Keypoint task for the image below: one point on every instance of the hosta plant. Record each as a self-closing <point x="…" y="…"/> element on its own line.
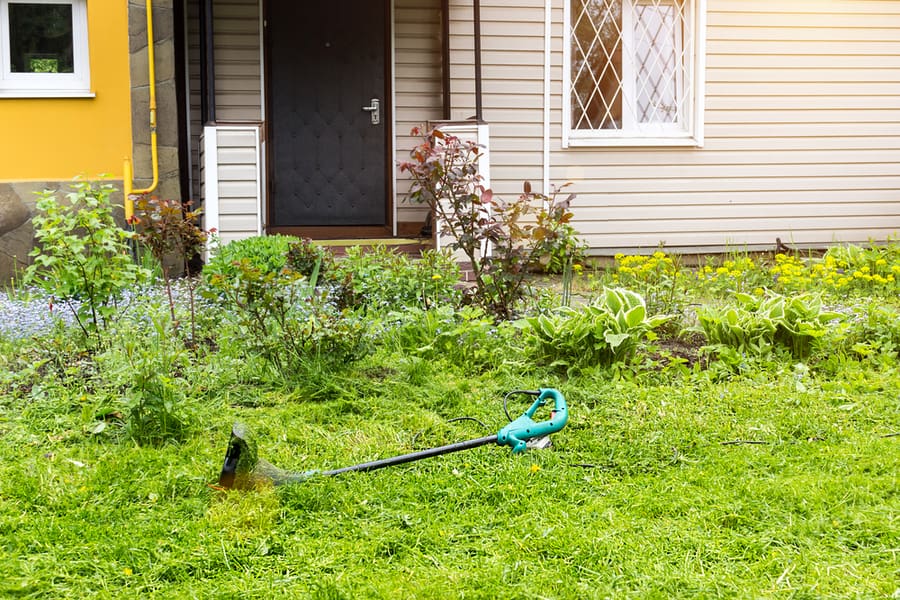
<point x="756" y="325"/>
<point x="600" y="334"/>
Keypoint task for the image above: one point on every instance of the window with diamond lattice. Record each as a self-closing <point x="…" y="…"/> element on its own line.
<point x="630" y="69"/>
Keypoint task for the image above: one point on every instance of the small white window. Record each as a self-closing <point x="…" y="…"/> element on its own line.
<point x="632" y="72"/>
<point x="44" y="48"/>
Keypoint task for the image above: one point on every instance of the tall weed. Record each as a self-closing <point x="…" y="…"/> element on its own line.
<point x="83" y="257"/>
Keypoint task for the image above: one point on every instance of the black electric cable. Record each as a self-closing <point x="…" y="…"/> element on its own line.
<point x="506" y="397"/>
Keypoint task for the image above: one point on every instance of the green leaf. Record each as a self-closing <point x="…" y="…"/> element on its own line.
<point x="635" y="316"/>
<point x="615" y="339"/>
<point x="612" y="300"/>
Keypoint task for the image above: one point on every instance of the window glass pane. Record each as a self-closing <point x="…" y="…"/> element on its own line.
<point x="630" y="67"/>
<point x="596" y="64"/>
<point x="41" y="38"/>
<point x="657" y="42"/>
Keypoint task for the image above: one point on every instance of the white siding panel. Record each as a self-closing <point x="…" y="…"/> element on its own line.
<point x="239" y="187"/>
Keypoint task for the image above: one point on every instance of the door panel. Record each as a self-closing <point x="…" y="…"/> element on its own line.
<point x="326" y="61"/>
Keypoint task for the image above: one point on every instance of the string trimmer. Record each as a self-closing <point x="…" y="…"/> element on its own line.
<point x="244" y="469"/>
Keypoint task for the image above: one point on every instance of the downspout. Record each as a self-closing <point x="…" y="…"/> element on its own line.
<point x="128" y="175"/>
<point x="548" y="22"/>
<point x="476" y="18"/>
<point x="445" y="58"/>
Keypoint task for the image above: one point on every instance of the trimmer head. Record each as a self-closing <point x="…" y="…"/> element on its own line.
<point x="240" y="459"/>
<point x="243" y="469"/>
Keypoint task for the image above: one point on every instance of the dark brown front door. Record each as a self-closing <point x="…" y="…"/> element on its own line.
<point x="327" y="115"/>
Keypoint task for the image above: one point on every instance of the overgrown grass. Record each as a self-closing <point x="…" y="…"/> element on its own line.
<point x="776" y="480"/>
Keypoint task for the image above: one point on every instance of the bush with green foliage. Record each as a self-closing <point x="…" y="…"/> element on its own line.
<point x="83" y="257"/>
<point x="872" y="329"/>
<point x="381" y="278"/>
<point x="602" y="333"/>
<point x="282" y="317"/>
<point x="558" y="246"/>
<point x="305" y="257"/>
<point x="267" y="253"/>
<point x="467" y="337"/>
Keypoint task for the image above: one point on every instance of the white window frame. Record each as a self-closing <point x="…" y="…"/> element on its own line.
<point x="662" y="134"/>
<point x="47" y="85"/>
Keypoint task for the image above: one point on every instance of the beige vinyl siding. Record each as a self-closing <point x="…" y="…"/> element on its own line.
<point x="417" y="86"/>
<point x="237" y="65"/>
<point x="512" y="55"/>
<point x="799" y="113"/>
<point x="802" y="128"/>
<point x="239" y="188"/>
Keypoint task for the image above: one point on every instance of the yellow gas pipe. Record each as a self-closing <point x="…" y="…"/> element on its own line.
<point x="128" y="173"/>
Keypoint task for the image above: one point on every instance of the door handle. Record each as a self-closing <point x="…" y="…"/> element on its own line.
<point x="374" y="110"/>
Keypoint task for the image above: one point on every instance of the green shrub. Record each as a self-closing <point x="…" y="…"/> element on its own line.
<point x="467" y="337"/>
<point x="874" y="329"/>
<point x="305" y="257"/>
<point x="559" y="247"/>
<point x="267" y="253"/>
<point x="283" y="318"/>
<point x="381" y="278"/>
<point x="599" y="334"/>
<point x="83" y="257"/>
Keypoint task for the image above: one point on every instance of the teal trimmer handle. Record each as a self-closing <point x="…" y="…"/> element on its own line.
<point x="516" y="434"/>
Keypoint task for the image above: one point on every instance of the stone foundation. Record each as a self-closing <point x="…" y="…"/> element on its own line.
<point x="17" y="206"/>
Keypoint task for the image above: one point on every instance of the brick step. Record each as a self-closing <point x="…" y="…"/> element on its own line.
<point x="410" y="246"/>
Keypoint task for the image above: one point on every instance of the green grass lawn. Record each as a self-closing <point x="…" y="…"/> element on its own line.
<point x="734" y="428"/>
<point x="774" y="484"/>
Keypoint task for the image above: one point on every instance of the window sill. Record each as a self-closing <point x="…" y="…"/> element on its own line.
<point x="633" y="142"/>
<point x="47" y="94"/>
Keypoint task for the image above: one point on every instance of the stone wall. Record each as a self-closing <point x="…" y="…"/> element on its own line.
<point x="17" y="202"/>
<point x="166" y="97"/>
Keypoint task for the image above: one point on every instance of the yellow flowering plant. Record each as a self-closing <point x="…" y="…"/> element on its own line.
<point x="658" y="277"/>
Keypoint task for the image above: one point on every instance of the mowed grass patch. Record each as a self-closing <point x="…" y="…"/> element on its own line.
<point x="781" y="485"/>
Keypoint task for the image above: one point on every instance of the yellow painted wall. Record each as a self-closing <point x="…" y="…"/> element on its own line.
<point x="55" y="139"/>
